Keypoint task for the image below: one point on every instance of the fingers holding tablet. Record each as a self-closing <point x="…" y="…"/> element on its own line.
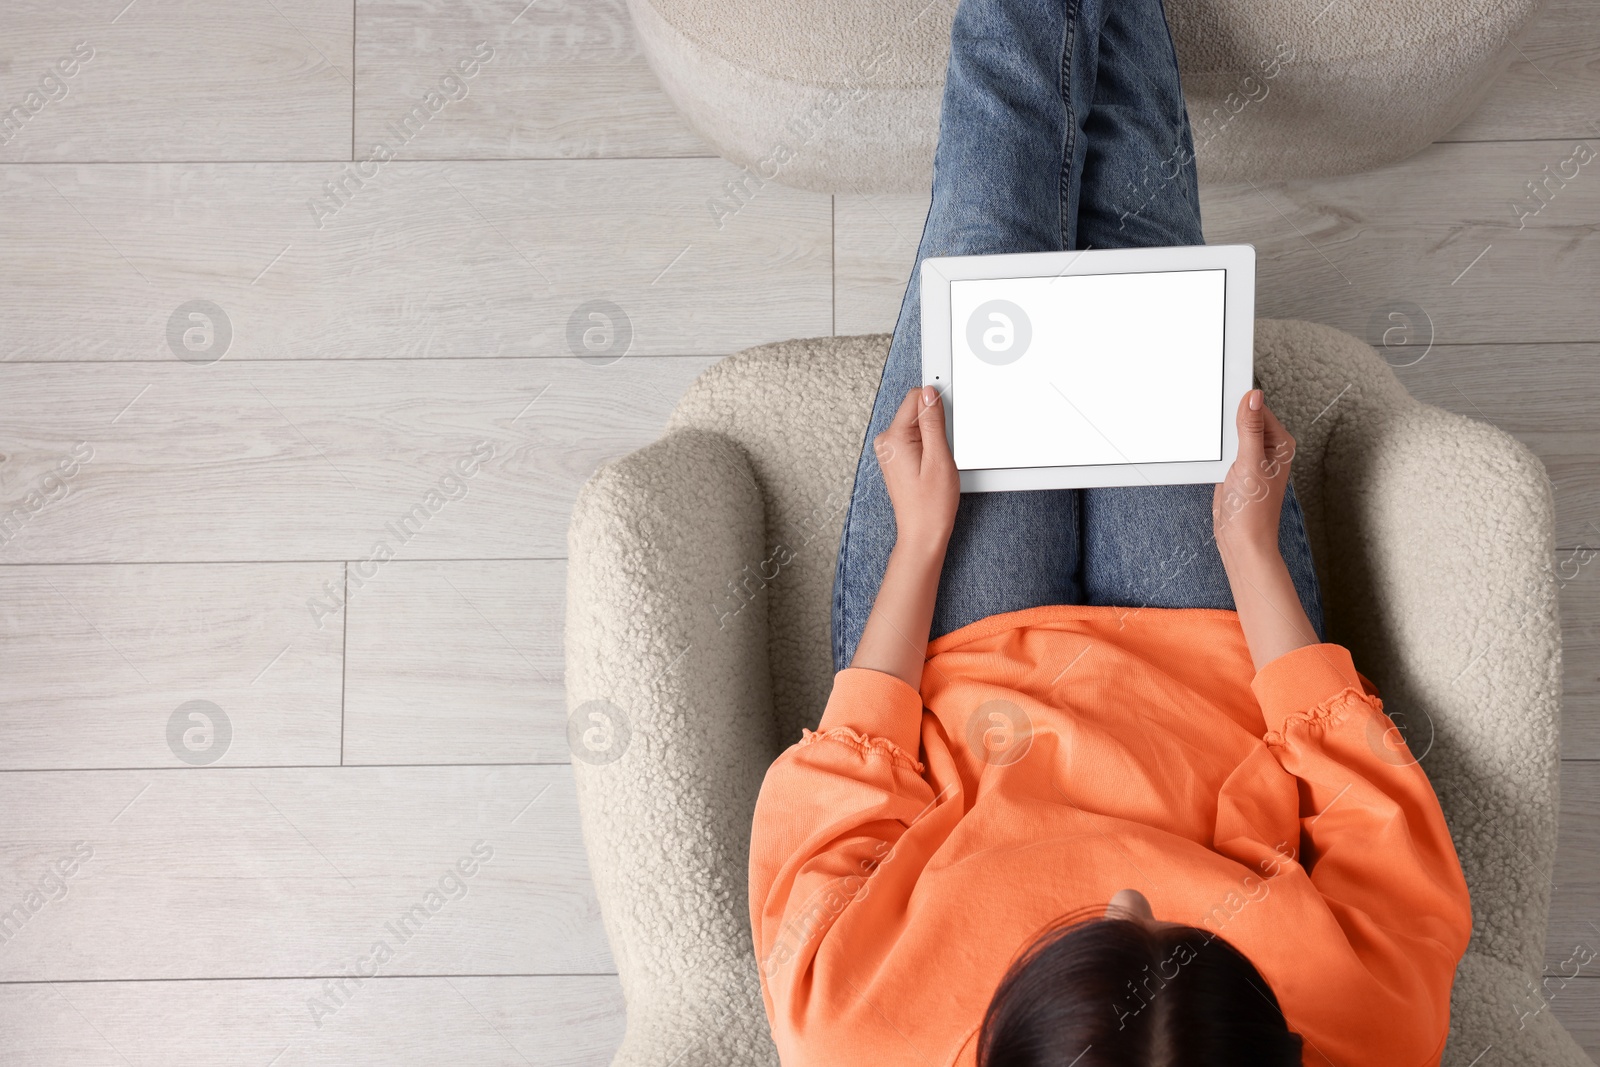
<point x="918" y="470"/>
<point x="1246" y="506"/>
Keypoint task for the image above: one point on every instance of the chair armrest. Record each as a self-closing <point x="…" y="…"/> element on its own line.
<point x="1441" y="538"/>
<point x="667" y="633"/>
<point x="1494" y="1005"/>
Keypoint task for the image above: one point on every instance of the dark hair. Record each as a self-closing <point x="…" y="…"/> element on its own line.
<point x="1116" y="993"/>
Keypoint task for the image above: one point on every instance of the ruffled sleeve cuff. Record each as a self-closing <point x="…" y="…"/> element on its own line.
<point x="1302" y="681"/>
<point x="873" y="704"/>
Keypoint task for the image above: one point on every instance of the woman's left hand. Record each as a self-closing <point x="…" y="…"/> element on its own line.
<point x="919" y="472"/>
<point x="1247" y="504"/>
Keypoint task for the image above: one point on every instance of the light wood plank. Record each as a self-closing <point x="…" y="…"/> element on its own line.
<point x="1552" y="88"/>
<point x="1578" y="579"/>
<point x="96" y="662"/>
<point x="1578" y="1008"/>
<point x="298" y="873"/>
<point x="875" y="247"/>
<point x="1569" y="458"/>
<point x="461" y="661"/>
<point x="560" y="80"/>
<point x="458" y="663"/>
<point x="1437" y="230"/>
<point x="1344" y="251"/>
<point x="419" y="259"/>
<point x="557" y="1021"/>
<point x="178" y="79"/>
<point x="1523" y="389"/>
<point x="1575" y="896"/>
<point x="338" y="460"/>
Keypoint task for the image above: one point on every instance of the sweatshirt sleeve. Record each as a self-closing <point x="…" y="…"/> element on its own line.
<point x="830" y="812"/>
<point x="1372" y="834"/>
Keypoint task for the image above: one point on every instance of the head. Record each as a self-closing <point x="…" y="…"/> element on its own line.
<point x="1124" y="989"/>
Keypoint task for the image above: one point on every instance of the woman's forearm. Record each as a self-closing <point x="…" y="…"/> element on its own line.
<point x="895" y="640"/>
<point x="1270" y="612"/>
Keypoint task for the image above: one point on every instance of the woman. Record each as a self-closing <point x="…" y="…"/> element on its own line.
<point x="1128" y="807"/>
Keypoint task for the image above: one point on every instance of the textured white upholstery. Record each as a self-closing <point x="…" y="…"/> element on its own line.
<point x="843" y="95"/>
<point x="1432" y="535"/>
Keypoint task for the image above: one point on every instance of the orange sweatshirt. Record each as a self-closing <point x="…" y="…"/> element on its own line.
<point x="905" y="852"/>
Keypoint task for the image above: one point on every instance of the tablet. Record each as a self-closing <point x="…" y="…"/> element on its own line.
<point x="1065" y="370"/>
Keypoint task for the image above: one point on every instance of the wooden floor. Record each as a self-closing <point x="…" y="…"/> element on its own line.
<point x="239" y="742"/>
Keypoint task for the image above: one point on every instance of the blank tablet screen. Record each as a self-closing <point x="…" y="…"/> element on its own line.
<point x="1088" y="369"/>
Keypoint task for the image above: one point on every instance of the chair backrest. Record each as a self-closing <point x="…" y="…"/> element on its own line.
<point x="1429" y="531"/>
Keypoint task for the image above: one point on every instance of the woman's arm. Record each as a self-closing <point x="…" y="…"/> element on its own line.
<point x="1245" y="511"/>
<point x="1352" y="845"/>
<point x="1356" y="823"/>
<point x="837" y="810"/>
<point x="924" y="488"/>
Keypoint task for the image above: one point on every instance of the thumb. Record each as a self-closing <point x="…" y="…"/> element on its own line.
<point x="930" y="421"/>
<point x="1252" y="423"/>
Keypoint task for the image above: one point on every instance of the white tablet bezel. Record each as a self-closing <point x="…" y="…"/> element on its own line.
<point x="1238" y="332"/>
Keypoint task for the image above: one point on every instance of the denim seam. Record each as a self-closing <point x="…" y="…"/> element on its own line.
<point x="1069" y="143"/>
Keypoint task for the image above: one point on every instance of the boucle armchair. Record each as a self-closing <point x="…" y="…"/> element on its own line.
<point x="843" y="96"/>
<point x="697" y="647"/>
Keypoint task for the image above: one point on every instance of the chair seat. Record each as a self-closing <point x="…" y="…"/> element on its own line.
<point x="843" y="95"/>
<point x="699" y="585"/>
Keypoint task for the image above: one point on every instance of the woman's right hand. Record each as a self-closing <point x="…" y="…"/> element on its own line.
<point x="1247" y="504"/>
<point x="924" y="488"/>
<point x="920" y="473"/>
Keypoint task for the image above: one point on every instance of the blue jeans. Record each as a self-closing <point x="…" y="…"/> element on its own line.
<point x="1063" y="127"/>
